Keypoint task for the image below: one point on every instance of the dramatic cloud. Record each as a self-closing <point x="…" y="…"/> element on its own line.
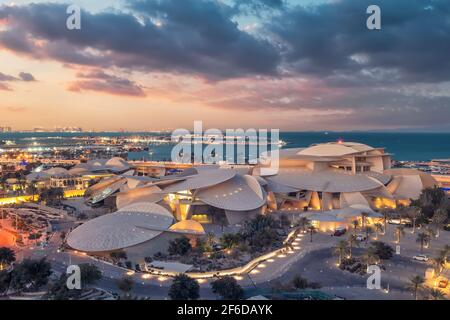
<point x="27" y="77"/>
<point x="331" y="40"/>
<point x="257" y="55"/>
<point x="102" y="82"/>
<point x="5" y="79"/>
<point x="193" y="36"/>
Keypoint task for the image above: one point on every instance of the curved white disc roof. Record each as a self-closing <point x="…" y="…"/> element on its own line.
<point x="334" y="149"/>
<point x="326" y="180"/>
<point x="134" y="224"/>
<point x="241" y="193"/>
<point x="205" y="178"/>
<point x="140" y="194"/>
<point x="101" y="191"/>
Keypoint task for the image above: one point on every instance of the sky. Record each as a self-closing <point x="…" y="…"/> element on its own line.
<point x="296" y="65"/>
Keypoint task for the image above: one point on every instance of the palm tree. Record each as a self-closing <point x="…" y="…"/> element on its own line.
<point x="370" y="256"/>
<point x="422" y="238"/>
<point x="439" y="217"/>
<point x="364" y="216"/>
<point x="386" y="215"/>
<point x="303" y="222"/>
<point x="210" y="239"/>
<point x="7" y="256"/>
<point x="125" y="285"/>
<point x="413" y="213"/>
<point x="355" y="225"/>
<point x="436" y="294"/>
<point x="445" y="252"/>
<point x="416" y="283"/>
<point x="438" y="264"/>
<point x="368" y="231"/>
<point x="340" y="250"/>
<point x="311" y="229"/>
<point x="431" y="234"/>
<point x="399" y="232"/>
<point x="352" y="241"/>
<point x="378" y="227"/>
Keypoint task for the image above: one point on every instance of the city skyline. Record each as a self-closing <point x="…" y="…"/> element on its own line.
<point x="292" y="65"/>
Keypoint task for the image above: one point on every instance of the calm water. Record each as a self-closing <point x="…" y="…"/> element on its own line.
<point x="404" y="146"/>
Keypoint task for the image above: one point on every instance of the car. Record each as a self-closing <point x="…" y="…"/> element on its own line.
<point x="360" y="237"/>
<point x="443" y="283"/>
<point x="421" y="257"/>
<point x="395" y="221"/>
<point x="339" y="231"/>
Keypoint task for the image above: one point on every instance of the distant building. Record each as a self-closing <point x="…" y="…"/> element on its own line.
<point x="4" y="129"/>
<point x="68" y="129"/>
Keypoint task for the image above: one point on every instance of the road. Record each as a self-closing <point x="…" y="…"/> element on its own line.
<point x="312" y="260"/>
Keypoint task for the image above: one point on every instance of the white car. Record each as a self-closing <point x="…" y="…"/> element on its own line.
<point x="421" y="257"/>
<point x="360" y="237"/>
<point x="395" y="221"/>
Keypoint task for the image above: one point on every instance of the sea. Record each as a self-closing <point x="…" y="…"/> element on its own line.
<point x="404" y="146"/>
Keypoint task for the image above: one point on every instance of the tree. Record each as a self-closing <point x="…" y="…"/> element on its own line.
<point x="431" y="199"/>
<point x="378" y="228"/>
<point x="52" y="195"/>
<point x="210" y="239"/>
<point x="416" y="284"/>
<point x="435" y="294"/>
<point x="382" y="250"/>
<point x="259" y="223"/>
<point x="413" y="212"/>
<point x="184" y="288"/>
<point x="58" y="290"/>
<point x="439" y="217"/>
<point x="30" y="274"/>
<point x="5" y="281"/>
<point x="352" y="241"/>
<point x="299" y="282"/>
<point x="399" y="233"/>
<point x="355" y="224"/>
<point x="284" y="221"/>
<point x="439" y="263"/>
<point x="90" y="273"/>
<point x="303" y="223"/>
<point x="227" y="288"/>
<point x="340" y="250"/>
<point x="229" y="240"/>
<point x="386" y="215"/>
<point x="263" y="238"/>
<point x="364" y="216"/>
<point x="32" y="189"/>
<point x="368" y="231"/>
<point x="370" y="256"/>
<point x="62" y="235"/>
<point x="7" y="256"/>
<point x="445" y="252"/>
<point x="179" y="246"/>
<point x="311" y="229"/>
<point x="422" y="238"/>
<point x="126" y="285"/>
<point x="431" y="234"/>
<point x="118" y="255"/>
